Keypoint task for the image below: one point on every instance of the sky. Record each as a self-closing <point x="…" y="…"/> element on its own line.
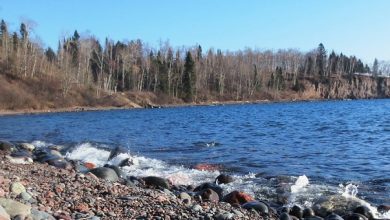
<point x="354" y="27"/>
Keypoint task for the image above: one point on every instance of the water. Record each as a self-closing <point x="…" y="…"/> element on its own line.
<point x="333" y="143"/>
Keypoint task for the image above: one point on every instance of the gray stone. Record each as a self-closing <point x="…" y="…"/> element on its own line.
<point x="333" y="216"/>
<point x="338" y="204"/>
<point x="39" y="215"/>
<point x="258" y="206"/>
<point x="284" y="216"/>
<point x="27" y="146"/>
<point x="184" y="196"/>
<point x="25" y="196"/>
<point x="224" y="216"/>
<point x="6" y="146"/>
<point x="197" y="208"/>
<point x="17" y="188"/>
<point x="105" y="173"/>
<point x="14" y="208"/>
<point x="156" y="182"/>
<point x="3" y="214"/>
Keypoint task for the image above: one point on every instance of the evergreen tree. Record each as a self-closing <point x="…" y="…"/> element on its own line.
<point x="50" y="55"/>
<point x="375" y="68"/>
<point x="3" y="32"/>
<point x="15" y="41"/>
<point x="321" y="60"/>
<point x="23" y="32"/>
<point x="188" y="82"/>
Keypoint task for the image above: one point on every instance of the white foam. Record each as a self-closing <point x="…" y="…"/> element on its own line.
<point x="300" y="184"/>
<point x="350" y="190"/>
<point x="40" y="144"/>
<point x="86" y="152"/>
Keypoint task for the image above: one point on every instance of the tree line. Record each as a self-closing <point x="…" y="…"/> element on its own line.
<point x="188" y="73"/>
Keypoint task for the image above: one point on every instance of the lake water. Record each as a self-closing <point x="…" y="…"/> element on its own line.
<point x="335" y="144"/>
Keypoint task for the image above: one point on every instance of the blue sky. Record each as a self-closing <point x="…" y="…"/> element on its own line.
<point x="354" y="27"/>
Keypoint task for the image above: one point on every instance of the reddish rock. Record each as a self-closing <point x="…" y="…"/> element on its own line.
<point x="82" y="207"/>
<point x="207" y="167"/>
<point x="90" y="165"/>
<point x="237" y="197"/>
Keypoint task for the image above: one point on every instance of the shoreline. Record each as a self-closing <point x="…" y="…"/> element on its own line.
<point x="177" y="105"/>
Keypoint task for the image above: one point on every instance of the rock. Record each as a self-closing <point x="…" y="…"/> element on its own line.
<point x="27" y="146"/>
<point x="89" y="165"/>
<point x="184" y="196"/>
<point x="126" y="162"/>
<point x="105" y="173"/>
<point x="333" y="216"/>
<point x="39" y="215"/>
<point x="14" y="208"/>
<point x="224" y="179"/>
<point x="21" y="153"/>
<point x="308" y="212"/>
<point x="212" y="186"/>
<point x="115" y="152"/>
<point x="2" y="192"/>
<point x="284" y="216"/>
<point x="238" y="214"/>
<point x="237" y="197"/>
<point x="156" y="182"/>
<point x="314" y="218"/>
<point x="336" y="204"/>
<point x="259" y="206"/>
<point x="82" y="207"/>
<point x="117" y="170"/>
<point x="6" y="146"/>
<point x="25" y="196"/>
<point x="354" y="216"/>
<point x="364" y="210"/>
<point x="224" y="216"/>
<point x="17" y="188"/>
<point x="19" y="160"/>
<point x="3" y="214"/>
<point x="132" y="181"/>
<point x="296" y="211"/>
<point x="60" y="163"/>
<point x="209" y="195"/>
<point x="383" y="208"/>
<point x="197" y="208"/>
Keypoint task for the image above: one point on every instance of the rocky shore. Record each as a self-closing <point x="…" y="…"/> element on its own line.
<point x="40" y="183"/>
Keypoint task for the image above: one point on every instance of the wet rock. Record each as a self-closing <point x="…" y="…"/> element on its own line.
<point x="364" y="210"/>
<point x="355" y="216"/>
<point x="156" y="182"/>
<point x="117" y="170"/>
<point x="308" y="212"/>
<point x="224" y="179"/>
<point x="132" y="181"/>
<point x="89" y="165"/>
<point x="3" y="214"/>
<point x="284" y="216"/>
<point x="212" y="186"/>
<point x="296" y="211"/>
<point x="237" y="197"/>
<point x="126" y="162"/>
<point x="184" y="196"/>
<point x="39" y="215"/>
<point x="17" y="188"/>
<point x="336" y="204"/>
<point x="6" y="146"/>
<point x="14" y="208"/>
<point x="333" y="216"/>
<point x="209" y="195"/>
<point x="60" y="163"/>
<point x="313" y="218"/>
<point x="105" y="173"/>
<point x="259" y="206"/>
<point x="27" y="146"/>
<point x="383" y="208"/>
<point x="115" y="152"/>
<point x="21" y="153"/>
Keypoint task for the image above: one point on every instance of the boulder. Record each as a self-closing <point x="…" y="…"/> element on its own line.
<point x="237" y="197"/>
<point x="212" y="186"/>
<point x="19" y="160"/>
<point x="364" y="210"/>
<point x="14" y="208"/>
<point x="27" y="146"/>
<point x="308" y="212"/>
<point x="333" y="216"/>
<point x="354" y="216"/>
<point x="126" y="162"/>
<point x="284" y="216"/>
<point x="117" y="170"/>
<point x="383" y="208"/>
<point x="6" y="146"/>
<point x="39" y="215"/>
<point x="115" y="152"/>
<point x="224" y="179"/>
<point x="209" y="195"/>
<point x="296" y="211"/>
<point x="259" y="206"/>
<point x="156" y="182"/>
<point x="60" y="163"/>
<point x="337" y="204"/>
<point x="105" y="173"/>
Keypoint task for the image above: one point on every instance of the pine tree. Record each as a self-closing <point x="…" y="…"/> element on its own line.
<point x="50" y="55"/>
<point x="375" y="67"/>
<point x="321" y="60"/>
<point x="188" y="82"/>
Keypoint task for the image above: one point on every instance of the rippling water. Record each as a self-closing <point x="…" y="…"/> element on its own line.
<point x="332" y="142"/>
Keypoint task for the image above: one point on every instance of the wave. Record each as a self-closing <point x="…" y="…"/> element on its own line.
<point x="293" y="190"/>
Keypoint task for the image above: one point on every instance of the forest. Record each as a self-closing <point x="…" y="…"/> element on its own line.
<point x="96" y="70"/>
